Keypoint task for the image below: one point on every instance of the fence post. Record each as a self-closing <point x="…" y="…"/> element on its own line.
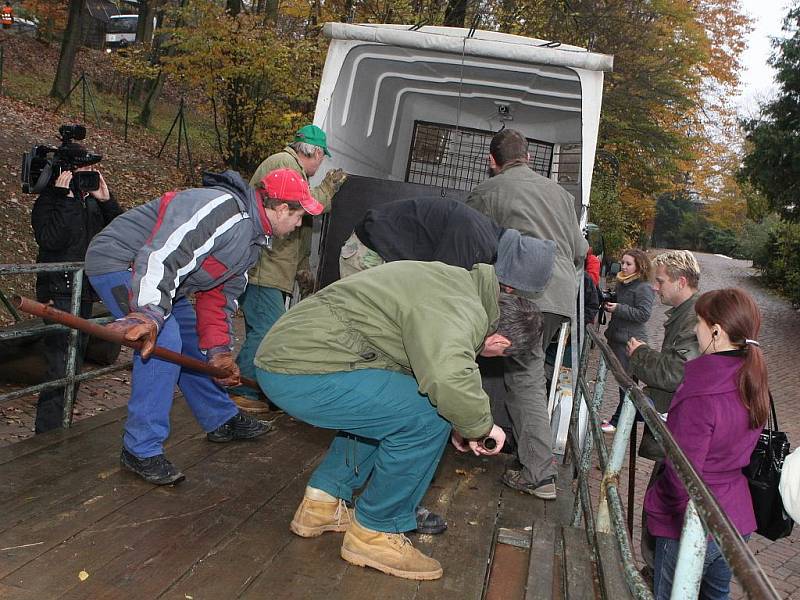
<point x="691" y="554"/>
<point x="72" y="351"/>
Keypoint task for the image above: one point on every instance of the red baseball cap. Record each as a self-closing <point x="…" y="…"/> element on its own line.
<point x="287" y="185"/>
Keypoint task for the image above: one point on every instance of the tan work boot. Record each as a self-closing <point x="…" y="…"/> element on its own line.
<point x="250" y="406"/>
<point x="391" y="553"/>
<point x="319" y="512"/>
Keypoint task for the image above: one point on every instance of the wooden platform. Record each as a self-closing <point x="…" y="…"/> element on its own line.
<point x="72" y="525"/>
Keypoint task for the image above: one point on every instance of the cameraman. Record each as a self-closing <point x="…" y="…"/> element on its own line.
<point x="64" y="220"/>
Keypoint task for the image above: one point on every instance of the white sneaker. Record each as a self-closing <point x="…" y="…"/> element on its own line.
<point x="607" y="427"/>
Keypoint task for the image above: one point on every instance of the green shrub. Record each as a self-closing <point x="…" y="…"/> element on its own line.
<point x="782" y="267"/>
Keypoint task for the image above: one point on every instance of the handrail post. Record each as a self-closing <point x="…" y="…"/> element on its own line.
<point x="691" y="556"/>
<point x="619" y="450"/>
<point x="585" y="461"/>
<point x="72" y="351"/>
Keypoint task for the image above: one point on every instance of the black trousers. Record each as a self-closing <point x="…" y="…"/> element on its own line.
<point x="50" y="407"/>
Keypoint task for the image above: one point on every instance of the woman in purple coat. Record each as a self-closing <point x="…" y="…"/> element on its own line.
<point x="716" y="417"/>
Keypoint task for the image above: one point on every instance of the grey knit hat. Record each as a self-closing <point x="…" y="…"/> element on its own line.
<point x="524" y="263"/>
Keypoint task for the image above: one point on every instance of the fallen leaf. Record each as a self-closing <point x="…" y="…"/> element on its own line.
<point x="83" y="576"/>
<point x="472" y="522"/>
<point x="461" y="472"/>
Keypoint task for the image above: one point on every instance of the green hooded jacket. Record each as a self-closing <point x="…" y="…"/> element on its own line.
<point x="425" y="319"/>
<point x="277" y="267"/>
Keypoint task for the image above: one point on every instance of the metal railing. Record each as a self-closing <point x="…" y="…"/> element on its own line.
<point x="703" y="513"/>
<point x="70" y="377"/>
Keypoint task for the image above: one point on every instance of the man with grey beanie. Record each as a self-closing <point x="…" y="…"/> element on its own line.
<point x="448" y="231"/>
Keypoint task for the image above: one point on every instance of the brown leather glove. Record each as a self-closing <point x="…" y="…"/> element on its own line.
<point x="335" y="178"/>
<point x="137" y="326"/>
<point x="224" y="360"/>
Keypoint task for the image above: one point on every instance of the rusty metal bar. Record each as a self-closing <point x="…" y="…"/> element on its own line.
<point x="56" y="383"/>
<point x="48" y="312"/>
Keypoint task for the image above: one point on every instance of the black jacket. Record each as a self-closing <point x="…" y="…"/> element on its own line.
<point x="63" y="228"/>
<point x="430" y="229"/>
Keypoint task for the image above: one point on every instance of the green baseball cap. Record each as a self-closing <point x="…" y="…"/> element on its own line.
<point x="311" y="134"/>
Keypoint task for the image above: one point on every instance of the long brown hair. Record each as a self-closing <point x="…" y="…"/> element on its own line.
<point x="736" y="312"/>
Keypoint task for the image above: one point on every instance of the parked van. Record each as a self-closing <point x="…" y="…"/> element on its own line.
<point x="121" y="31"/>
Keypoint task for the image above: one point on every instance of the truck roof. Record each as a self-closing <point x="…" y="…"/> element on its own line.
<point x="478" y="42"/>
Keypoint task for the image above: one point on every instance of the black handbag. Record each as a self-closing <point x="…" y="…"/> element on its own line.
<point x="764" y="474"/>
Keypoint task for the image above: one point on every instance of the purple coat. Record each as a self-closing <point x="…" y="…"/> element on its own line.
<point x="712" y="427"/>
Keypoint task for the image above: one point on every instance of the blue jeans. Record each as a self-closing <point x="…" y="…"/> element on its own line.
<point x="153" y="380"/>
<point x="716" y="582"/>
<point x="390" y="438"/>
<point x="262" y="306"/>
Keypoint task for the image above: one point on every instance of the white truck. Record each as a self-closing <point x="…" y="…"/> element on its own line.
<point x="407" y="109"/>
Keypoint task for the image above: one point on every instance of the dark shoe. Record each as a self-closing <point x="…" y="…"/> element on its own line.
<point x="428" y="522"/>
<point x="239" y="427"/>
<point x="544" y="489"/>
<point x="155" y="469"/>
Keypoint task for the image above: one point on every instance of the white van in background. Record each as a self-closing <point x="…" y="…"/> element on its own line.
<point x="121" y="31"/>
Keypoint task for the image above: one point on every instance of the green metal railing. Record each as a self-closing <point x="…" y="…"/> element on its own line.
<point x="703" y="514"/>
<point x="71" y="377"/>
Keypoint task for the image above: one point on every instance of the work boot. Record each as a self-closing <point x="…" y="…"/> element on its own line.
<point x="319" y="512"/>
<point x="250" y="405"/>
<point x="239" y="427"/>
<point x="544" y="489"/>
<point x="155" y="469"/>
<point x="430" y="523"/>
<point x="390" y="553"/>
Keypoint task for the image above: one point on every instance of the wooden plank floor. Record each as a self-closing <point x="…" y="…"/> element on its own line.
<point x="72" y="525"/>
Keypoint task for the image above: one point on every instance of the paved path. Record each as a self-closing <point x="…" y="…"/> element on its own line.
<point x="780" y="333"/>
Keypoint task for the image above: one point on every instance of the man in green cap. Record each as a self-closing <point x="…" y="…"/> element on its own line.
<point x="271" y="280"/>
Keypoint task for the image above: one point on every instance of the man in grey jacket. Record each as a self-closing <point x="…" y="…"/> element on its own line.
<point x="519" y="198"/>
<point x="148" y="262"/>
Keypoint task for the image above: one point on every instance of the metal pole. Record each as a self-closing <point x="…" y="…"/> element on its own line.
<point x="59" y="316"/>
<point x="127" y="104"/>
<point x="180" y="128"/>
<point x="618" y="450"/>
<point x="72" y="352"/>
<point x="83" y="95"/>
<point x="691" y="555"/>
<point x="632" y="476"/>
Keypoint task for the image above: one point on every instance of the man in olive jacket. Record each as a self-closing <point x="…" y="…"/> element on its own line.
<point x="387" y="357"/>
<point x="677" y="278"/>
<point x="272" y="278"/>
<point x="519" y="198"/>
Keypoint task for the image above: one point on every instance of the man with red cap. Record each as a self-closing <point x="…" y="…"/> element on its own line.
<point x="147" y="264"/>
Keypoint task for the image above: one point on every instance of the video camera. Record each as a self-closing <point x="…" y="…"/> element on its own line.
<point x="43" y="164"/>
<point x="608" y="296"/>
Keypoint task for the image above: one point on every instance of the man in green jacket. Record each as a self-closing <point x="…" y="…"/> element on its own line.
<point x="387" y="357"/>
<point x="272" y="278"/>
<point x="521" y="199"/>
<point x="677" y="279"/>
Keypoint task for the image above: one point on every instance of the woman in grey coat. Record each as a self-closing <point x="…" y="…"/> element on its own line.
<point x="629" y="314"/>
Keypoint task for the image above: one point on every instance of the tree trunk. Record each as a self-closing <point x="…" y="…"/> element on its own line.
<point x="147" y="15"/>
<point x="234" y="7"/>
<point x="147" y="108"/>
<point x="69" y="47"/>
<point x="455" y="13"/>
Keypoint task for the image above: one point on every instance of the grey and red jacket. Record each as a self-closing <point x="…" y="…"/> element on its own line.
<point x="198" y="241"/>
